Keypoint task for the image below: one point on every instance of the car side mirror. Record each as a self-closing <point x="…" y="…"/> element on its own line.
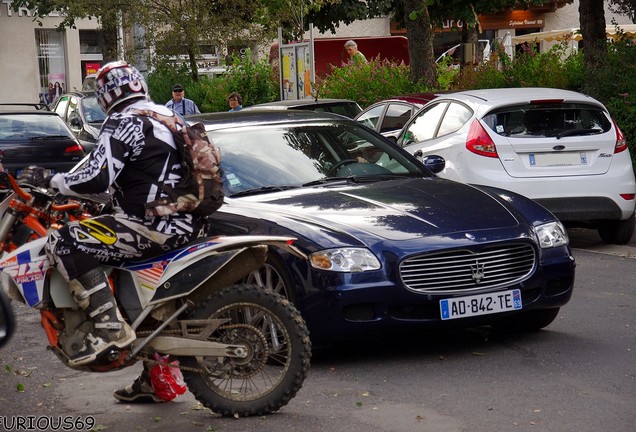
<point x="434" y="163"/>
<point x="76" y="122"/>
<point x="7" y="319"/>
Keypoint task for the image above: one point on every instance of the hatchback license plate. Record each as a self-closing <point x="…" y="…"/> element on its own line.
<point x="480" y="304"/>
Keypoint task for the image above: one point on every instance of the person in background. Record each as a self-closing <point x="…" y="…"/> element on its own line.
<point x="235" y="101"/>
<point x="354" y="55"/>
<point x="50" y="97"/>
<point x="180" y="104"/>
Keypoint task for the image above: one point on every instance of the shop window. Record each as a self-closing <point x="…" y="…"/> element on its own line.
<point x="51" y="61"/>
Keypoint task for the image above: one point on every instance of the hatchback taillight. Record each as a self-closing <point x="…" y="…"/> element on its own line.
<point x="479" y="142"/>
<point x="74" y="150"/>
<point x="621" y="142"/>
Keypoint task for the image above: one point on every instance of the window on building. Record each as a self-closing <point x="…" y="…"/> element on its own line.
<point x="51" y="61"/>
<point x="91" y="51"/>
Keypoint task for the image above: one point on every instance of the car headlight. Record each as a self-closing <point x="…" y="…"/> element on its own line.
<point x="552" y="234"/>
<point x="345" y="260"/>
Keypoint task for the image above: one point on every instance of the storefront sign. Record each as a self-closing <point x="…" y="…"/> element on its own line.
<point x="91" y="68"/>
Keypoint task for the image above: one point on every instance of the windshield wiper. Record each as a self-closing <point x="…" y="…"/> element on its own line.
<point x="352" y="179"/>
<point x="263" y="189"/>
<point x="581" y="132"/>
<point x="331" y="180"/>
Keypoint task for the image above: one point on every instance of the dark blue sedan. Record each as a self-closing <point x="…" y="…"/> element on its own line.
<point x="389" y="243"/>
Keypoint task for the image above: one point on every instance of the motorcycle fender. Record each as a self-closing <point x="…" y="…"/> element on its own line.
<point x="192" y="277"/>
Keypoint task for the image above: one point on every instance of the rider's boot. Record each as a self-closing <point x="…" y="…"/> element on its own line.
<point x="92" y="292"/>
<point x="140" y="391"/>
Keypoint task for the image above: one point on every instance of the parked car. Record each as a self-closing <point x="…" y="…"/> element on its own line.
<point x="389" y="244"/>
<point x="88" y="84"/>
<point x="82" y="114"/>
<point x="390" y="115"/>
<point x="345" y="107"/>
<point x="558" y="147"/>
<point x="462" y="53"/>
<point x="30" y="134"/>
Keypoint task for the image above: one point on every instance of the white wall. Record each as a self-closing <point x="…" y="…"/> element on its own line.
<point x="371" y="27"/>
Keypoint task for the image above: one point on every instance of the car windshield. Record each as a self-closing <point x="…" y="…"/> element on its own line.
<point x="549" y="120"/>
<point x="92" y="111"/>
<point x="30" y="126"/>
<point x="282" y="157"/>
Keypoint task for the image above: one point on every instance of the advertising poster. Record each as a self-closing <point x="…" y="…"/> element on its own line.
<point x="295" y="71"/>
<point x="288" y="73"/>
<point x="57" y="86"/>
<point x="91" y="68"/>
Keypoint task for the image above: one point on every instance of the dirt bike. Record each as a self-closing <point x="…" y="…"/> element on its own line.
<point x="242" y="349"/>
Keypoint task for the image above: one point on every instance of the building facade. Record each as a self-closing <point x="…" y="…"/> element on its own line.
<point x="39" y="62"/>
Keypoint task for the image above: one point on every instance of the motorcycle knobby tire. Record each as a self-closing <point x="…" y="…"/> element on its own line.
<point x="267" y="324"/>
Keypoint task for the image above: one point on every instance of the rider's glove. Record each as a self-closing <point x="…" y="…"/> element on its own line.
<point x="35" y="176"/>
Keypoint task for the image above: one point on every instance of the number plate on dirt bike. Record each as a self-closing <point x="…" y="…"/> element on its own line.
<point x="480" y="304"/>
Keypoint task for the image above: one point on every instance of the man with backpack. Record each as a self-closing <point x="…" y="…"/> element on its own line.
<point x="129" y="144"/>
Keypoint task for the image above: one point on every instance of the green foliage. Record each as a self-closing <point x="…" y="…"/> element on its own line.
<point x="556" y="68"/>
<point x="368" y="82"/>
<point x="161" y="80"/>
<point x="253" y="81"/>
<point x="613" y="84"/>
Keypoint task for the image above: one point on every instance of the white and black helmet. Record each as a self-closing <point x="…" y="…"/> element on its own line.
<point x="117" y="82"/>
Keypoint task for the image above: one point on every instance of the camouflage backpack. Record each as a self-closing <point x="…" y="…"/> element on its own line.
<point x="200" y="190"/>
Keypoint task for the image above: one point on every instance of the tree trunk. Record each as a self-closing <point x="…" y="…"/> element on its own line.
<point x="420" y="36"/>
<point x="592" y="21"/>
<point x="192" y="56"/>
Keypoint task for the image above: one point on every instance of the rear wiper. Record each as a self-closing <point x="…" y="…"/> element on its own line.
<point x="264" y="189"/>
<point x="572" y="132"/>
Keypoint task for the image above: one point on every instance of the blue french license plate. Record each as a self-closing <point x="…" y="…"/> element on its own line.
<point x="480" y="304"/>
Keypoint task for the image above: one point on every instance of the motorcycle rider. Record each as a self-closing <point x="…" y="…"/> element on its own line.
<point x="128" y="144"/>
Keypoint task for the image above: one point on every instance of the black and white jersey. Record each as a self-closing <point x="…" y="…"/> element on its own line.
<point x="133" y="156"/>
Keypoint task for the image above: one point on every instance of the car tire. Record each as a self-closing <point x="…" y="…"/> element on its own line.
<point x="617" y="232"/>
<point x="527" y="321"/>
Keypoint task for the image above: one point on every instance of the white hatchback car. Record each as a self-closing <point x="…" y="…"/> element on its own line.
<point x="558" y="147"/>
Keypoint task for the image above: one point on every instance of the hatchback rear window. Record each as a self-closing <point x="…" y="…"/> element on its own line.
<point x="548" y="120"/>
<point x="27" y="126"/>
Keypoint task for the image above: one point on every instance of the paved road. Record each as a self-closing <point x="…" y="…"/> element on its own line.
<point x="577" y="375"/>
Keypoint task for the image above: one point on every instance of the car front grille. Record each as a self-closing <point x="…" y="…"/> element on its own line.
<point x="466" y="270"/>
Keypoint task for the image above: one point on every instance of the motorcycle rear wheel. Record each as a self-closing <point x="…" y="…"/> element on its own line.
<point x="278" y="346"/>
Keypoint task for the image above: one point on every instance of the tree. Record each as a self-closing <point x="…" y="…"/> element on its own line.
<point x="420" y="35"/>
<point x="624" y="7"/>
